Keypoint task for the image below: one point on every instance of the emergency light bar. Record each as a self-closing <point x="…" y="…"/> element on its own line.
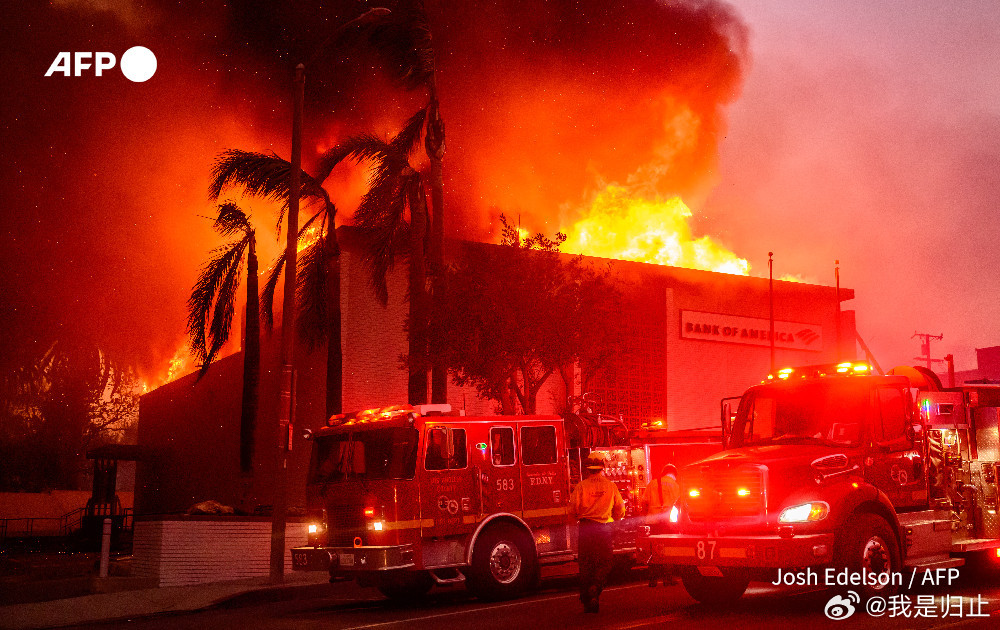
<point x="845" y="368"/>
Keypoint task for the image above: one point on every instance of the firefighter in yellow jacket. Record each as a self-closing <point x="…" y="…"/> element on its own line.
<point x="597" y="503"/>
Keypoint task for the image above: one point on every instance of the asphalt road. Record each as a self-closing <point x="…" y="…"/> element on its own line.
<point x="627" y="604"/>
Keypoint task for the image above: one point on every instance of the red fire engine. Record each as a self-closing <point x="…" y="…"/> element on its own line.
<point x="405" y="497"/>
<point x="835" y="467"/>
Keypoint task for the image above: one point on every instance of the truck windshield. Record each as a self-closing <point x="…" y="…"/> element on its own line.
<point x="389" y="453"/>
<point x="831" y="412"/>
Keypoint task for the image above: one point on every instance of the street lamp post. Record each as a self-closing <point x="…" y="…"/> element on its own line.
<point x="286" y="401"/>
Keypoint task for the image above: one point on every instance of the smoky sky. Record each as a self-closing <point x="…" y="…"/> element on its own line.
<point x="104" y="200"/>
<point x="869" y="132"/>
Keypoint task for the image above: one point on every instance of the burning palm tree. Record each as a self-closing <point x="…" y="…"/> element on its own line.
<point x="318" y="279"/>
<point x="404" y="40"/>
<point x="210" y="313"/>
<point x="395" y="192"/>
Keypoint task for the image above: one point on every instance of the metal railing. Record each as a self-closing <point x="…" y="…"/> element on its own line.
<point x="65" y="525"/>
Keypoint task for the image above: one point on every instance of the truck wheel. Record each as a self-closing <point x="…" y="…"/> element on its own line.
<point x="503" y="563"/>
<point x="405" y="586"/>
<point x="715" y="590"/>
<point x="866" y="543"/>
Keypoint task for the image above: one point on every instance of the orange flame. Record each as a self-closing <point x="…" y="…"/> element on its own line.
<point x="627" y="227"/>
<point x="180" y="364"/>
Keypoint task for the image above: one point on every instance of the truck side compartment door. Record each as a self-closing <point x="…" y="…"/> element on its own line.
<point x="501" y="478"/>
<point x="448" y="492"/>
<point x="897" y="467"/>
<point x="545" y="483"/>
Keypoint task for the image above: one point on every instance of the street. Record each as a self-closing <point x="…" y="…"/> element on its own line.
<point x="626" y="604"/>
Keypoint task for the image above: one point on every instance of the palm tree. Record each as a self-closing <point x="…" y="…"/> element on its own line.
<point x="404" y="40"/>
<point x="210" y="313"/>
<point x="318" y="280"/>
<point x="395" y="189"/>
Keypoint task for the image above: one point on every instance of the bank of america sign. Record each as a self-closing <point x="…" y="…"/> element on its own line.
<point x="750" y="330"/>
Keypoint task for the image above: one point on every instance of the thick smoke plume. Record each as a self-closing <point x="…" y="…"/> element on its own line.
<point x="545" y="102"/>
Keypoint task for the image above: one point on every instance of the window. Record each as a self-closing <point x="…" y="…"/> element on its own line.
<point x="439" y="441"/>
<point x="502" y="446"/>
<point x="893" y="408"/>
<point x="829" y="412"/>
<point x="538" y="445"/>
<point x="377" y="454"/>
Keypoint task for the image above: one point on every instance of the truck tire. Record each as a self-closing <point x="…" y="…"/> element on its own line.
<point x="866" y="542"/>
<point x="503" y="563"/>
<point x="405" y="586"/>
<point x="715" y="590"/>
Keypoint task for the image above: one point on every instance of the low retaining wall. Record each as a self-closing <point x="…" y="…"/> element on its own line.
<point x="181" y="550"/>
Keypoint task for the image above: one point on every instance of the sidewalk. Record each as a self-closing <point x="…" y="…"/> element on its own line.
<point x="131" y="598"/>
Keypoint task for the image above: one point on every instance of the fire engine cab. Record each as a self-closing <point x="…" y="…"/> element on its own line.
<point x="834" y="466"/>
<point x="403" y="497"/>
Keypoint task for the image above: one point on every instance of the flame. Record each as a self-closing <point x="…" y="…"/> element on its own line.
<point x="180" y="364"/>
<point x="308" y="237"/>
<point x="621" y="225"/>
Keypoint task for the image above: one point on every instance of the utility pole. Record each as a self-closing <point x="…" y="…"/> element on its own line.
<point x="836" y="271"/>
<point x="925" y="348"/>
<point x="286" y="400"/>
<point x="770" y="301"/>
<point x="286" y="397"/>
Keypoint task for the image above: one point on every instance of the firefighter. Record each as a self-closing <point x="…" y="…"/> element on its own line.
<point x="660" y="497"/>
<point x="596" y="503"/>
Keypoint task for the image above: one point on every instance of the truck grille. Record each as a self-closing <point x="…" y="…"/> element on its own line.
<point x="345" y="523"/>
<point x="718" y="493"/>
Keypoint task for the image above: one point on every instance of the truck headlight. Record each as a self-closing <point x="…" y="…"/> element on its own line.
<point x="674" y="514"/>
<point x="313" y="528"/>
<point x="805" y="513"/>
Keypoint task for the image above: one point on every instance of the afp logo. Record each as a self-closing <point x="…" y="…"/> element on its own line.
<point x="138" y="64"/>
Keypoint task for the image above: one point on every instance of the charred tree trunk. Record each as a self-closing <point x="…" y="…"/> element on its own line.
<point x="435" y="145"/>
<point x="334" y="349"/>
<point x="417" y="359"/>
<point x="251" y="364"/>
<point x="508" y="404"/>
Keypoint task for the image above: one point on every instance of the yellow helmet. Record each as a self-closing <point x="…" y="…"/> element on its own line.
<point x="594" y="462"/>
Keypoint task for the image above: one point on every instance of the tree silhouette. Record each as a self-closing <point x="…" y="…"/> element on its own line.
<point x="210" y="313"/>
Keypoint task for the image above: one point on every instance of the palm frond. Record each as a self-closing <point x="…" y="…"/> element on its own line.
<point x="383" y="212"/>
<point x="360" y="148"/>
<point x="212" y="301"/>
<point x="267" y="294"/>
<point x="274" y="273"/>
<point x="404" y="41"/>
<point x="261" y="175"/>
<point x="232" y="220"/>
<point x="408" y="137"/>
<point x="311" y="292"/>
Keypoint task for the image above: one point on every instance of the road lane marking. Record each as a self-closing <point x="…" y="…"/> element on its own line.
<point x="482" y="608"/>
<point x="649" y="622"/>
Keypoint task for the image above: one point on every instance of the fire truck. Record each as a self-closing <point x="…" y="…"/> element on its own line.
<point x="402" y="498"/>
<point x="836" y="469"/>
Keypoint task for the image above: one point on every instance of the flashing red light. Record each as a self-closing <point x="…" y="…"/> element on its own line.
<point x="369" y="511"/>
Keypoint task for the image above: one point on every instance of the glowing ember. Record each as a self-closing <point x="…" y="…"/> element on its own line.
<point x="623" y="226"/>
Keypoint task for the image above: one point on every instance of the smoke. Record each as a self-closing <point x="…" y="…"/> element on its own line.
<point x="545" y="102"/>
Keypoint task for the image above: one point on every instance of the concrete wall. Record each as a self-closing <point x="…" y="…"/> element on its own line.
<point x="199" y="549"/>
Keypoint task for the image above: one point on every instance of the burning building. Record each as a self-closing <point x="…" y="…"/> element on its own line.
<point x="691" y="337"/>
